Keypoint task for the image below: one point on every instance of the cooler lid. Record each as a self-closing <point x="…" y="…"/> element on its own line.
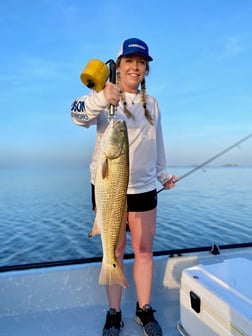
<point x="234" y="274"/>
<point x="230" y="282"/>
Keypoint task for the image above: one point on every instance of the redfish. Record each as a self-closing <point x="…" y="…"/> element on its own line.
<point x="111" y="183"/>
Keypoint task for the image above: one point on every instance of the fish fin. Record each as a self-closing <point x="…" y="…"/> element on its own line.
<point x="95" y="230"/>
<point x="112" y="274"/>
<point x="105" y="168"/>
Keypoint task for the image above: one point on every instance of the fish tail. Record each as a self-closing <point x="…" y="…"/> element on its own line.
<point x="112" y="274"/>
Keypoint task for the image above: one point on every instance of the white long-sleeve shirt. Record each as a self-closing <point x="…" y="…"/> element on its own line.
<point x="146" y="148"/>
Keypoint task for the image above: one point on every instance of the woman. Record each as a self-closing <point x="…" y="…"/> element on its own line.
<point x="147" y="163"/>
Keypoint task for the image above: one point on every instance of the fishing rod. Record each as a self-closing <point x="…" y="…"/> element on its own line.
<point x="211" y="159"/>
<point x="95" y="75"/>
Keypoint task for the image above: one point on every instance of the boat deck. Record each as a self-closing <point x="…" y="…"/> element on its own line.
<point x="81" y="321"/>
<point x="66" y="300"/>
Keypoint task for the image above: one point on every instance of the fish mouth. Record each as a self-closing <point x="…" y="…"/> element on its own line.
<point x="116" y="122"/>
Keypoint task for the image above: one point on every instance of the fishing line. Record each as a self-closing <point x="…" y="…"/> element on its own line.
<point x="211" y="159"/>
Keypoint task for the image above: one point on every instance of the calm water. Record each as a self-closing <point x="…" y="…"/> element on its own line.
<point x="46" y="215"/>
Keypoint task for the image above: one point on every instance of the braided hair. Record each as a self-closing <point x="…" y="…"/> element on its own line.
<point x="143" y="96"/>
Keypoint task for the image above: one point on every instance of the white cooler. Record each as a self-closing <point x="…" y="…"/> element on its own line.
<point x="216" y="299"/>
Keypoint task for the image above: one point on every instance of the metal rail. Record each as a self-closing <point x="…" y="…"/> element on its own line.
<point x="214" y="249"/>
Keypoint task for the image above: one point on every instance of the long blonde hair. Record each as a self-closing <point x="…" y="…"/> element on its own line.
<point x="143" y="95"/>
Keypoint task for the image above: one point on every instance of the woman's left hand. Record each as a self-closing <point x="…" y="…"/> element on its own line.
<point x="171" y="182"/>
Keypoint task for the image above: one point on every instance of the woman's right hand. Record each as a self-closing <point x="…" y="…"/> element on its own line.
<point x="112" y="93"/>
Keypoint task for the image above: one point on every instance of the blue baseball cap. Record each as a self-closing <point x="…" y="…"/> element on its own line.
<point x="135" y="46"/>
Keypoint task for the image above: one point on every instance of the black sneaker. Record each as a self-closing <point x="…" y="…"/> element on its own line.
<point x="113" y="323"/>
<point x="144" y="317"/>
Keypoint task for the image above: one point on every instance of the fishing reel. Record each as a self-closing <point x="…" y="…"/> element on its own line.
<point x="95" y="76"/>
<point x="96" y="73"/>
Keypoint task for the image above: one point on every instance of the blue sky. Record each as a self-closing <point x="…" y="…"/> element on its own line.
<point x="201" y="75"/>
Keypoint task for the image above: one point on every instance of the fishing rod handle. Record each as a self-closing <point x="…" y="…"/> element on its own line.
<point x="174" y="181"/>
<point x="112" y="79"/>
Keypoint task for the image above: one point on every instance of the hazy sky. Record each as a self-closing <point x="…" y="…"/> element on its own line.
<point x="201" y="75"/>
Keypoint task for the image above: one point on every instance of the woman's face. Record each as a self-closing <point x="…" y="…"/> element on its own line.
<point x="132" y="70"/>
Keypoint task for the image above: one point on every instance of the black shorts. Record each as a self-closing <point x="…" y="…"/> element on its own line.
<point x="136" y="202"/>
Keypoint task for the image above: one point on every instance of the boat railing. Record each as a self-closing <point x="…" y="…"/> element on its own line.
<point x="214" y="249"/>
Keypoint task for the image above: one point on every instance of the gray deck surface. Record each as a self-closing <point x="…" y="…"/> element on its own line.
<point x="67" y="301"/>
